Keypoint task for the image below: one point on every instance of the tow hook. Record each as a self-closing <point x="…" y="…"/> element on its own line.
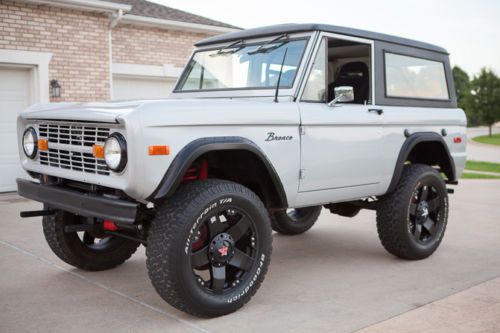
<point x="35" y="213"/>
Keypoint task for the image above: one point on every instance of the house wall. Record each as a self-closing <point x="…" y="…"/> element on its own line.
<point x="77" y="40"/>
<point x="152" y="46"/>
<point x="79" y="43"/>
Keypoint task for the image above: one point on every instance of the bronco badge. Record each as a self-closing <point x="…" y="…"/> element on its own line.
<point x="271" y="136"/>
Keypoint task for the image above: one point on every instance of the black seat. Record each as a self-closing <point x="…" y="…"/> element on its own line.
<point x="354" y="74"/>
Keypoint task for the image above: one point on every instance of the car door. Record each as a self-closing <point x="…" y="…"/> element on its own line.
<point x="340" y="144"/>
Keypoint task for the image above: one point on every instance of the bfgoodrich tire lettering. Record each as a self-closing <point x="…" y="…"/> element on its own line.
<point x="191" y="243"/>
<point x="411" y="221"/>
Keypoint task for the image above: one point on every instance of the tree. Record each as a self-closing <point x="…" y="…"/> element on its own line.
<point x="463" y="90"/>
<point x="485" y="97"/>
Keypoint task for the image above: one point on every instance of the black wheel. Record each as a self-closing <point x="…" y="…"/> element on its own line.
<point x="209" y="247"/>
<point x="411" y="221"/>
<point x="294" y="221"/>
<point x="85" y="250"/>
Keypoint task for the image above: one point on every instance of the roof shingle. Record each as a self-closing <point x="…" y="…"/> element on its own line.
<point x="151" y="9"/>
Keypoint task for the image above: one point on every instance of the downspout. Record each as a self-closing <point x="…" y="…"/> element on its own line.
<point x="114" y="20"/>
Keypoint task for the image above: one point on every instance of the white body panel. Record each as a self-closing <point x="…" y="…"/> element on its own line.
<point x="346" y="152"/>
<point x="343" y="147"/>
<point x="176" y="123"/>
<point x="340" y="147"/>
<point x="397" y="119"/>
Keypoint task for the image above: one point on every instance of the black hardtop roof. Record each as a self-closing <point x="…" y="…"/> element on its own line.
<point x="304" y="27"/>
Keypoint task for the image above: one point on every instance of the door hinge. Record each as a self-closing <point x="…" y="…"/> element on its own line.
<point x="302" y="173"/>
<point x="302" y="130"/>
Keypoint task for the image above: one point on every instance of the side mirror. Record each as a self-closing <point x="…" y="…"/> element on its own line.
<point x="342" y="94"/>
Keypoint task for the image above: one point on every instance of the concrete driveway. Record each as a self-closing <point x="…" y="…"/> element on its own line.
<point x="335" y="278"/>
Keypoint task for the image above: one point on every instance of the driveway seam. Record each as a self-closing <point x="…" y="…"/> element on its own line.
<point x="425" y="304"/>
<point x="102" y="286"/>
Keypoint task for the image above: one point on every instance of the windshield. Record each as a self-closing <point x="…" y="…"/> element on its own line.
<point x="240" y="66"/>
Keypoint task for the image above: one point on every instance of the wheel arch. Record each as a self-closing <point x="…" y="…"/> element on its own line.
<point x="425" y="148"/>
<point x="274" y="191"/>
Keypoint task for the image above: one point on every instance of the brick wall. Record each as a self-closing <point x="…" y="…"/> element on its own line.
<point x="134" y="44"/>
<point x="77" y="40"/>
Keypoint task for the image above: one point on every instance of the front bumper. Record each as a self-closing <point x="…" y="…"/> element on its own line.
<point x="80" y="203"/>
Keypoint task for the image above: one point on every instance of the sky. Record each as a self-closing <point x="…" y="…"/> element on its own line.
<point x="468" y="29"/>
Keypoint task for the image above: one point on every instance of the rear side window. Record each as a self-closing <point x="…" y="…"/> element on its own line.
<point x="411" y="77"/>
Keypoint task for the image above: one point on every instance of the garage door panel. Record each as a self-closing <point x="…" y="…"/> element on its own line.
<point x="9" y="172"/>
<point x="141" y="88"/>
<point x="14" y="97"/>
<point x="8" y="146"/>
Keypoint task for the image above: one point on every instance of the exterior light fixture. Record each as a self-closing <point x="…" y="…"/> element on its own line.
<point x="55" y="88"/>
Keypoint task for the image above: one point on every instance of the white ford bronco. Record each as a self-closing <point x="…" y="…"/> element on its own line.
<point x="264" y="128"/>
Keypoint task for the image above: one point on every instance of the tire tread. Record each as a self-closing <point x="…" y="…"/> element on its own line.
<point x="392" y="210"/>
<point x="163" y="239"/>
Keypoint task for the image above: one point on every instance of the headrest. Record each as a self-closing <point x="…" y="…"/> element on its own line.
<point x="353" y="70"/>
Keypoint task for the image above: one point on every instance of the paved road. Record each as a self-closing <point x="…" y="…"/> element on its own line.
<point x="476" y="309"/>
<point x="335" y="278"/>
<point x="482" y="152"/>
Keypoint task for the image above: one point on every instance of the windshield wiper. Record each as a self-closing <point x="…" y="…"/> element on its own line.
<point x="231" y="46"/>
<point x="263" y="49"/>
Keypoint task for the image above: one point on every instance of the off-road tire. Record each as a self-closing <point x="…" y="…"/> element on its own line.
<point x="288" y="224"/>
<point x="70" y="249"/>
<point x="169" y="245"/>
<point x="393" y="213"/>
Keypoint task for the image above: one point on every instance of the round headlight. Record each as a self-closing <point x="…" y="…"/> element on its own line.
<point x="115" y="152"/>
<point x="30" y="142"/>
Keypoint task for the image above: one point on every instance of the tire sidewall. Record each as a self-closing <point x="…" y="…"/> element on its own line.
<point x="428" y="178"/>
<point x="254" y="277"/>
<point x="69" y="247"/>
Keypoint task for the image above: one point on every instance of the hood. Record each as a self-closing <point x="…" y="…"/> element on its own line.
<point x="167" y="112"/>
<point x="100" y="112"/>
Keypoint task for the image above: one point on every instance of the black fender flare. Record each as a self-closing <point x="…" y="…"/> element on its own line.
<point x="189" y="153"/>
<point x="407" y="147"/>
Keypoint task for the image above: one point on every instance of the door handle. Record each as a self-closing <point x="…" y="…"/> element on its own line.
<point x="379" y="111"/>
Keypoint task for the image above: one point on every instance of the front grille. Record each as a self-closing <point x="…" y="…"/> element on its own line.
<point x="70" y="146"/>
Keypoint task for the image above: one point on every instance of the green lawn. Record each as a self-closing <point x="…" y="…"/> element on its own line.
<point x="467" y="175"/>
<point x="491" y="140"/>
<point x="482" y="166"/>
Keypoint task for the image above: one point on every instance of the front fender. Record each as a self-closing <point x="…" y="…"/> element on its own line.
<point x="189" y="153"/>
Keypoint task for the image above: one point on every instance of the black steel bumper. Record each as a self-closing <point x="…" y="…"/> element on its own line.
<point x="84" y="204"/>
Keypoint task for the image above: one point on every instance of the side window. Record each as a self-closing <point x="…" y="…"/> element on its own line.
<point x="315" y="90"/>
<point x="339" y="65"/>
<point x="411" y="77"/>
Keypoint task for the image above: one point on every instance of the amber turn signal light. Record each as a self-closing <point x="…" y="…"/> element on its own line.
<point x="43" y="144"/>
<point x="98" y="151"/>
<point x="159" y="150"/>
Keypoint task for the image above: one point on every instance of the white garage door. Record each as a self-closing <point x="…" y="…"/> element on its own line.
<point x="141" y="88"/>
<point x="14" y="97"/>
